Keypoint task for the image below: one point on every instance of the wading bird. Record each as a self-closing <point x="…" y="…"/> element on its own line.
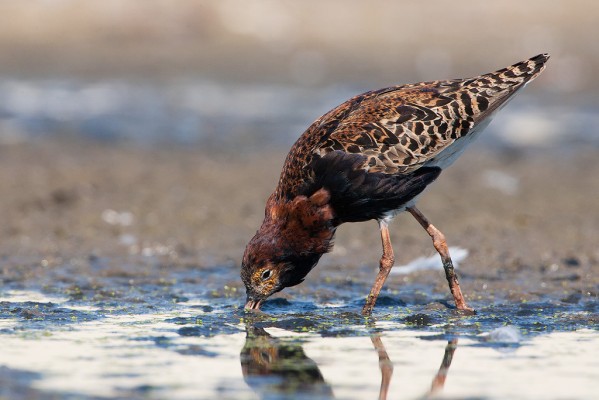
<point x="371" y="158"/>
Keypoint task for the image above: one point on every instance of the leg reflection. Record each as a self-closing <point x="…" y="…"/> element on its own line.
<point x="279" y="368"/>
<point x="439" y="379"/>
<point x="386" y="366"/>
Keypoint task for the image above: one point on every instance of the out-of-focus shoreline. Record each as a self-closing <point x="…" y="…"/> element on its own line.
<point x="217" y="115"/>
<point x="310" y="43"/>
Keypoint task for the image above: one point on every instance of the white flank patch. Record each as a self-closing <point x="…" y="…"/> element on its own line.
<point x="458" y="255"/>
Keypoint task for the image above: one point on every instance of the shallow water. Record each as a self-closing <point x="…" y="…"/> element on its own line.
<point x="178" y="346"/>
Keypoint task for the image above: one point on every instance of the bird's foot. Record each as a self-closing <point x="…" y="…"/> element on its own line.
<point x="463" y="309"/>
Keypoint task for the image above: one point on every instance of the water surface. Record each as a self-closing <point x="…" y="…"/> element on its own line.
<point x="180" y="346"/>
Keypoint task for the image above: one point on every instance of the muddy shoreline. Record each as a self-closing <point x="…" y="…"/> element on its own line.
<point x="75" y="211"/>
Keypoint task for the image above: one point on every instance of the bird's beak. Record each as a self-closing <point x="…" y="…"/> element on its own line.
<point x="253" y="304"/>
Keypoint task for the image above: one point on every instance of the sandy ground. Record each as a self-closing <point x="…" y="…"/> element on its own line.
<point x="67" y="203"/>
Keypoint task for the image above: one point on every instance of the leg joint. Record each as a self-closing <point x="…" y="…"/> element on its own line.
<point x="387" y="261"/>
<point x="440" y="244"/>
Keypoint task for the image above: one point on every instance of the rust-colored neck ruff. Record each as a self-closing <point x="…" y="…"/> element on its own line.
<point x="300" y="227"/>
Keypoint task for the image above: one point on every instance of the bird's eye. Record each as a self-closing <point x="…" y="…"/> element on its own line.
<point x="265" y="356"/>
<point x="265" y="274"/>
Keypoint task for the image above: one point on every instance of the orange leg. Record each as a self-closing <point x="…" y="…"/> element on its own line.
<point x="441" y="246"/>
<point x="386" y="264"/>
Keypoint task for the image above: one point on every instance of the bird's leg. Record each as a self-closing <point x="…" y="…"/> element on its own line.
<point x="441" y="247"/>
<point x="386" y="264"/>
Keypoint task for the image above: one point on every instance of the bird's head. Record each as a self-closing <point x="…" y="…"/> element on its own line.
<point x="287" y="246"/>
<point x="266" y="269"/>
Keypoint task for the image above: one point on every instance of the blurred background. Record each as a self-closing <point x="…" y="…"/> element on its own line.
<point x="214" y="72"/>
<point x="159" y="127"/>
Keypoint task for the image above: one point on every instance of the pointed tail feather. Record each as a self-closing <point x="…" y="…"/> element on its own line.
<point x="491" y="91"/>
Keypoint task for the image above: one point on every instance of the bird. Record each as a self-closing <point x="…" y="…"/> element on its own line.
<point x="371" y="158"/>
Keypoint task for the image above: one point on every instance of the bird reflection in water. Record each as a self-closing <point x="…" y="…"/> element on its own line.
<point x="280" y="369"/>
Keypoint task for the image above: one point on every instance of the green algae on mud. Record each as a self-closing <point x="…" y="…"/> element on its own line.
<point x="214" y="303"/>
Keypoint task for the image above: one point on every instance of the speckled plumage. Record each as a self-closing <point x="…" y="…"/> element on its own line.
<point x="370" y="158"/>
<point x="402" y="128"/>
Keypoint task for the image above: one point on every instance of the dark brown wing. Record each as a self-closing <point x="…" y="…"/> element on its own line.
<point x="397" y="130"/>
<point x="358" y="195"/>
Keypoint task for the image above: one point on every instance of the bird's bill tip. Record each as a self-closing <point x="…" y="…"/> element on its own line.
<point x="252" y="305"/>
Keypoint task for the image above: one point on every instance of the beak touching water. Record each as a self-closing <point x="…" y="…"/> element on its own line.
<point x="252" y="304"/>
